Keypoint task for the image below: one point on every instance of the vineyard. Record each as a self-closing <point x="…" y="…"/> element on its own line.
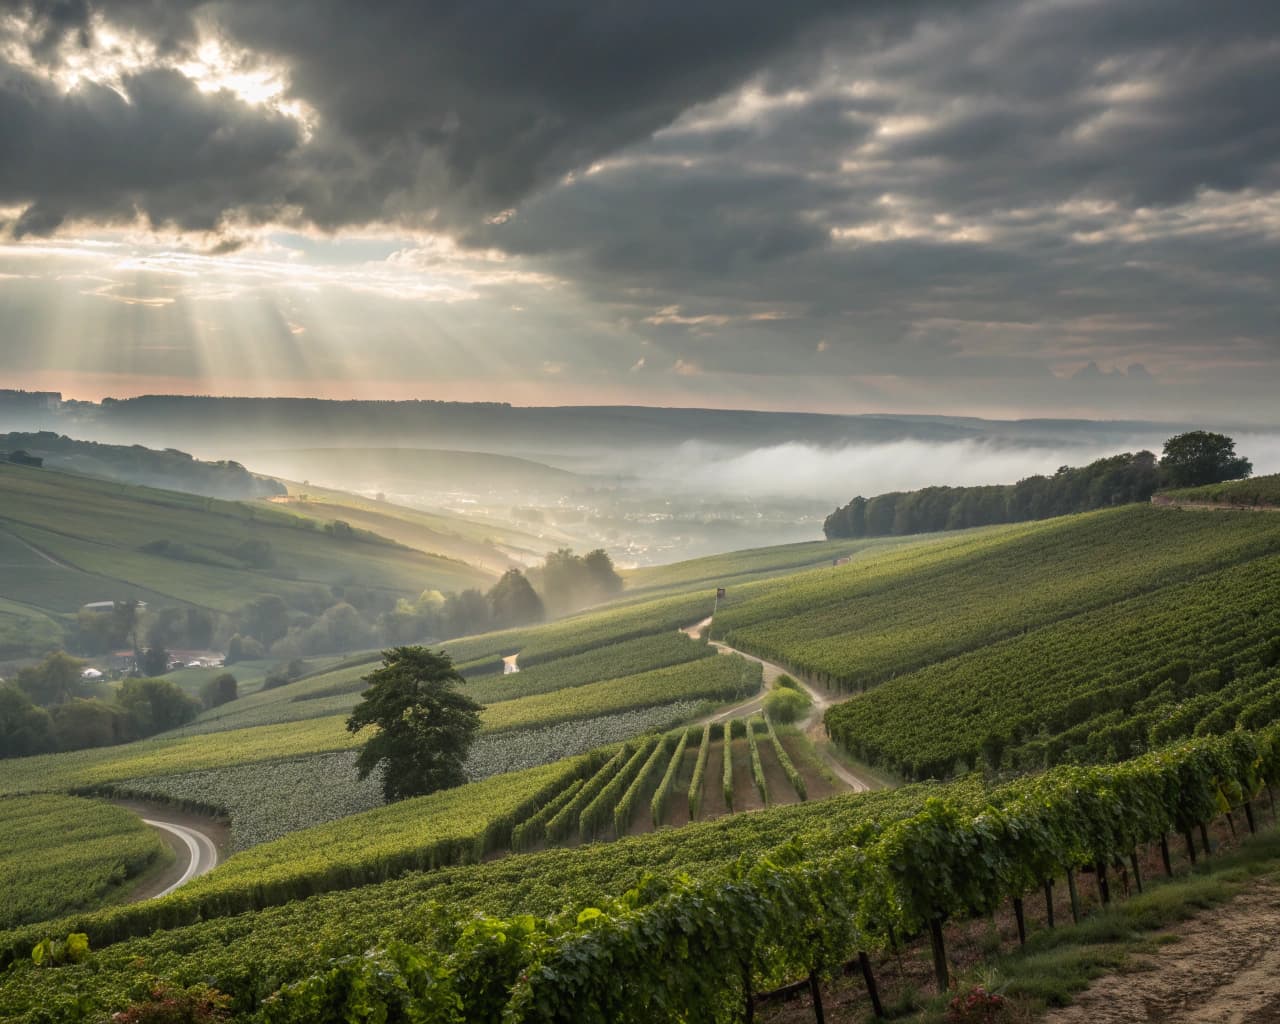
<point x="602" y="831"/>
<point x="1259" y="491"/>
<point x="1201" y="657"/>
<point x="857" y="625"/>
<point x="59" y="854"/>
<point x="842" y="877"/>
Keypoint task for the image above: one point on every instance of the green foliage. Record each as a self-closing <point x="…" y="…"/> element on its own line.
<point x="78" y="724"/>
<point x="221" y="689"/>
<point x="24" y="728"/>
<point x="599" y="811"/>
<point x="662" y="795"/>
<point x="786" y="706"/>
<point x="563" y="823"/>
<point x="626" y="805"/>
<point x="699" y="770"/>
<point x="59" y="854"/>
<point x="532" y="831"/>
<point x="757" y="768"/>
<point x="1098" y="686"/>
<point x="513" y="602"/>
<point x="861" y="624"/>
<point x="1256" y="492"/>
<point x="74" y="949"/>
<point x="784" y="759"/>
<point x="1200" y="457"/>
<point x="726" y="778"/>
<point x="155" y="705"/>
<point x="1116" y="480"/>
<point x="53" y="681"/>
<point x="712" y="679"/>
<point x="425" y="725"/>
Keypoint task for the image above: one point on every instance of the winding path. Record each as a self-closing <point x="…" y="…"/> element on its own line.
<point x="201" y="857"/>
<point x="812" y="725"/>
<point x="197" y="843"/>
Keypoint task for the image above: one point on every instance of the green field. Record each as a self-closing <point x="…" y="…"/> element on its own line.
<point x="59" y="854"/>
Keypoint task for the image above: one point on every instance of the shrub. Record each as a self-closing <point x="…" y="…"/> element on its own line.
<point x="166" y="1005"/>
<point x="786" y="706"/>
<point x="221" y="689"/>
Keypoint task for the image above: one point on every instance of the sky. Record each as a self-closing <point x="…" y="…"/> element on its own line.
<point x="1004" y="208"/>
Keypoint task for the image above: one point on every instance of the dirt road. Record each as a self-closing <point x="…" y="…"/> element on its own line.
<point x="812" y="725"/>
<point x="197" y="843"/>
<point x="1224" y="969"/>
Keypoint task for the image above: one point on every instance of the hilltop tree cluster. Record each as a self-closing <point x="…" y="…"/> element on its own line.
<point x="1188" y="459"/>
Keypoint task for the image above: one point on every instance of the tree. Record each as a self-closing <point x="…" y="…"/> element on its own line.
<point x="266" y="619"/>
<point x="1200" y="457"/>
<point x="24" y="728"/>
<point x="221" y="689"/>
<point x="155" y="661"/>
<point x="89" y="723"/>
<point x="54" y="681"/>
<point x="513" y="601"/>
<point x="425" y="725"/>
<point x="154" y="705"/>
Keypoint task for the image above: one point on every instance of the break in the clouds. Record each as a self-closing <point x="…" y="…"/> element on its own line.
<point x="1044" y="206"/>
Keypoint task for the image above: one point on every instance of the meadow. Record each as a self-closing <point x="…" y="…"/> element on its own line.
<point x="1258" y="491"/>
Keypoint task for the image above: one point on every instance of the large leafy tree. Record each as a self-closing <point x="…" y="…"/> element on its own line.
<point x="1200" y="457"/>
<point x="425" y="725"/>
<point x="514" y="601"/>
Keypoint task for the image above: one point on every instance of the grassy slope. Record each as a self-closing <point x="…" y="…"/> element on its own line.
<point x="95" y="530"/>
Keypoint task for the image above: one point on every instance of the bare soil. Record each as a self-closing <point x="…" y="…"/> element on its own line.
<point x="780" y="789"/>
<point x="712" y="792"/>
<point x="745" y="795"/>
<point x="1224" y="968"/>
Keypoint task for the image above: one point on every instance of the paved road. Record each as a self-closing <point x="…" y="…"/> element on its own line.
<point x="201" y="853"/>
<point x="812" y="725"/>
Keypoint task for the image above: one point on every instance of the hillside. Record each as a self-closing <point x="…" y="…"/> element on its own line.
<point x="133" y="464"/>
<point x="68" y="540"/>
<point x="1034" y="648"/>
<point x="416" y="470"/>
<point x="491" y="545"/>
<point x="1256" y="492"/>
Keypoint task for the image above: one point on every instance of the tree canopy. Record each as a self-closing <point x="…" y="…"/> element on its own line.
<point x="425" y="724"/>
<point x="1201" y="457"/>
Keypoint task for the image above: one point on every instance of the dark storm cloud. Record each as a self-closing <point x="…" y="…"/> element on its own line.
<point x="980" y="190"/>
<point x="449" y="110"/>
<point x="163" y="148"/>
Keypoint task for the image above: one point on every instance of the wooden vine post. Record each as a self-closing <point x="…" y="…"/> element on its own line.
<point x="1137" y="871"/>
<point x="816" y="993"/>
<point x="1104" y="887"/>
<point x="864" y="962"/>
<point x="1248" y="817"/>
<point x="1021" y="919"/>
<point x="1204" y="838"/>
<point x="1164" y="856"/>
<point x="939" y="955"/>
<point x="1075" y="897"/>
<point x="1191" y="847"/>
<point x="1048" y="901"/>
<point x="748" y="995"/>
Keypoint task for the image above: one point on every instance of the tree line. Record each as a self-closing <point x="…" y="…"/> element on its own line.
<point x="1189" y="459"/>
